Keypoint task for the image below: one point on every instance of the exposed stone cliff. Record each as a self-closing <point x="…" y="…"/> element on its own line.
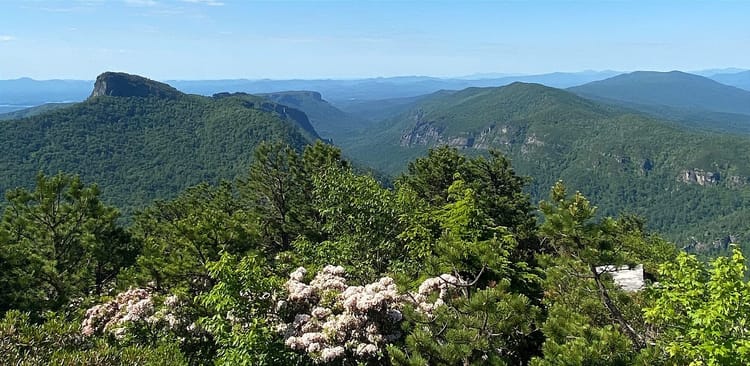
<point x="119" y="84"/>
<point x="700" y="177"/>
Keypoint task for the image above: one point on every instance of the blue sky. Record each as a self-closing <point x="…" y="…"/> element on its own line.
<point x="210" y="39"/>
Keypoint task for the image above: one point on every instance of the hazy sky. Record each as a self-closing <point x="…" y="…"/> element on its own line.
<point x="208" y="39"/>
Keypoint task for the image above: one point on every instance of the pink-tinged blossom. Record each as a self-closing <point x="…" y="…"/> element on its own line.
<point x="351" y="325"/>
<point x="314" y="347"/>
<point x="329" y="279"/>
<point x="444" y="285"/>
<point x="375" y="338"/>
<point x="440" y="283"/>
<point x="366" y="350"/>
<point x="293" y="343"/>
<point x="362" y="320"/>
<point x="311" y="326"/>
<point x="299" y="291"/>
<point x="308" y="338"/>
<point x="298" y="274"/>
<point x="131" y="307"/>
<point x="330" y="354"/>
<point x="334" y="270"/>
<point x="171" y="301"/>
<point x="321" y="312"/>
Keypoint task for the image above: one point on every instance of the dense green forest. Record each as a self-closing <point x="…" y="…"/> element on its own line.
<point x="304" y="261"/>
<point x="142" y="140"/>
<point x="622" y="159"/>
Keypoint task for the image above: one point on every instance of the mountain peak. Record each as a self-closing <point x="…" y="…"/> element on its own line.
<point x="120" y="84"/>
<point x="673" y="89"/>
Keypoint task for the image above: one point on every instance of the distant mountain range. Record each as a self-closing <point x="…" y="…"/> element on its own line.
<point x="382" y="88"/>
<point x="23" y="93"/>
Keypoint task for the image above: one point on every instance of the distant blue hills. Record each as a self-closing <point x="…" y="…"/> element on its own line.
<point x="23" y="93"/>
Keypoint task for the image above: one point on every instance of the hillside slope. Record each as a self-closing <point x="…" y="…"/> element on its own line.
<point x="675" y="177"/>
<point x="148" y="142"/>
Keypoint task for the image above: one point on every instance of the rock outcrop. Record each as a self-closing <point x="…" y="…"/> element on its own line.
<point x="286" y="112"/>
<point x="119" y="84"/>
<point x="720" y="244"/>
<point x="700" y="177"/>
<point x="427" y="132"/>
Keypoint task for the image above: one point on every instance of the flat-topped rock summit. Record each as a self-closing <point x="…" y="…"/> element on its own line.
<point x="120" y="84"/>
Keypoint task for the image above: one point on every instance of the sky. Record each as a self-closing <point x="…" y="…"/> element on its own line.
<point x="224" y="39"/>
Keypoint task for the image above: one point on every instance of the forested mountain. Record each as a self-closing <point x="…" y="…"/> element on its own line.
<point x="671" y="89"/>
<point x="683" y="181"/>
<point x="739" y="79"/>
<point x="142" y="140"/>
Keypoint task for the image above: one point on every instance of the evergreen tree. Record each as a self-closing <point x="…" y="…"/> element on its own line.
<point x="59" y="242"/>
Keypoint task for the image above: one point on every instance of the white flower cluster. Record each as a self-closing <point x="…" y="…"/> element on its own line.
<point x="132" y="305"/>
<point x="171" y="315"/>
<point x="334" y="321"/>
<point x="445" y="285"/>
<point x="337" y="320"/>
<point x="136" y="306"/>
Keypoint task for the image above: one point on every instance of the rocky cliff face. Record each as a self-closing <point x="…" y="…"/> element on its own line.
<point x="290" y="113"/>
<point x="721" y="244"/>
<point x="700" y="177"/>
<point x="426" y="132"/>
<point x="118" y="84"/>
<point x="255" y="102"/>
<point x="706" y="178"/>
